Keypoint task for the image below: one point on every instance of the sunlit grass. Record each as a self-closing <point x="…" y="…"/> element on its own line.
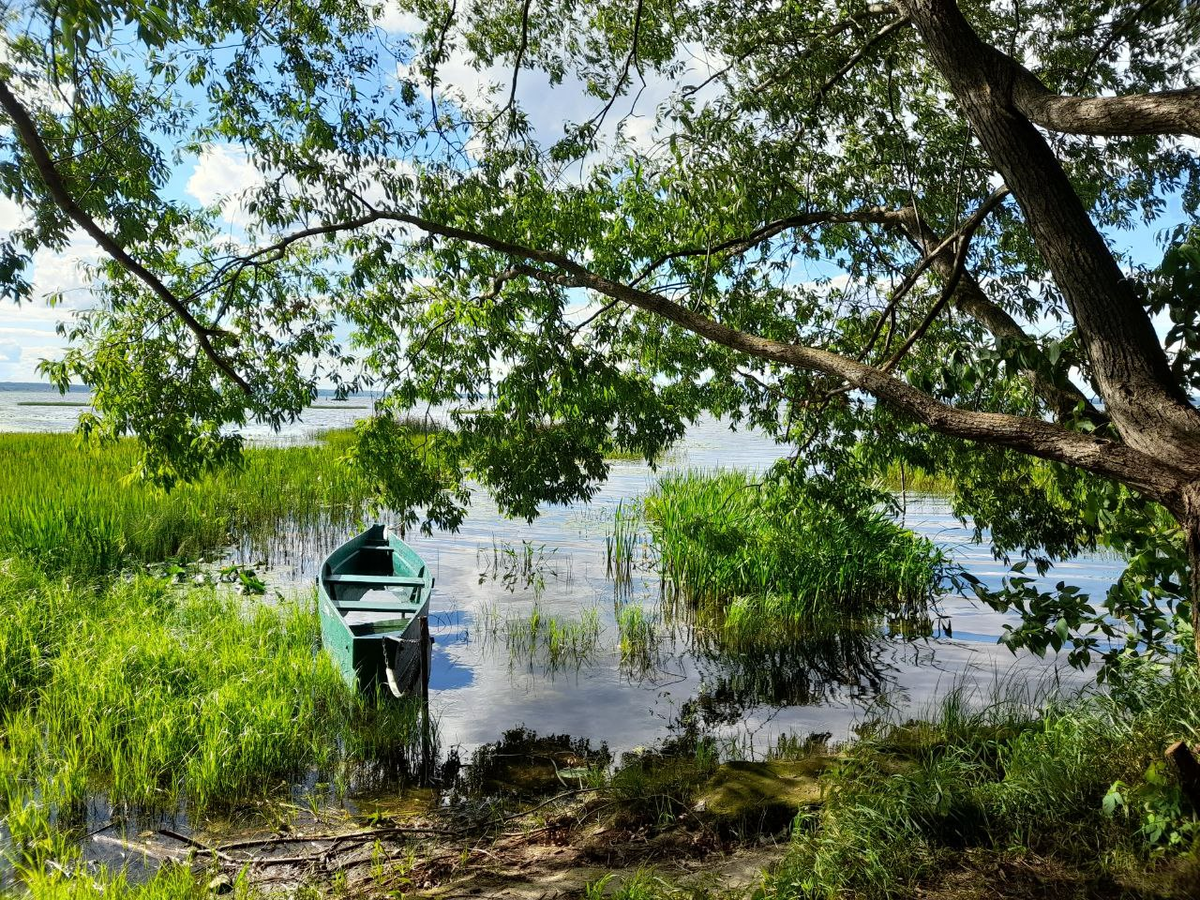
<point x="73" y="508"/>
<point x="722" y="538"/>
<point x="908" y="479"/>
<point x="1080" y="782"/>
<point x="151" y="695"/>
<point x="640" y="639"/>
<point x="171" y="882"/>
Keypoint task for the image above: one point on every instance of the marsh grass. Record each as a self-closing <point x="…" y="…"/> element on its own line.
<point x="627" y="546"/>
<point x="639" y="640"/>
<point x="74" y="509"/>
<point x="765" y="659"/>
<point x="1078" y="781"/>
<point x="170" y="882"/>
<point x="524" y="566"/>
<point x="79" y="403"/>
<point x="900" y="478"/>
<point x="723" y="538"/>
<point x="536" y="638"/>
<point x="154" y="697"/>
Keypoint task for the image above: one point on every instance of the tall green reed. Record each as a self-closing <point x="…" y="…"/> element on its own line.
<point x="151" y="695"/>
<point x="74" y="508"/>
<point x="768" y="554"/>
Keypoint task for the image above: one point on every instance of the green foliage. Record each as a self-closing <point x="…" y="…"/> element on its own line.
<point x="76" y="508"/>
<point x="1080" y="782"/>
<point x="170" y="882"/>
<point x="472" y="255"/>
<point x="779" y="551"/>
<point x="1176" y="290"/>
<point x="148" y="694"/>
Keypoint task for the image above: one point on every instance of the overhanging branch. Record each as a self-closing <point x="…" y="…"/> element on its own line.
<point x="1164" y="112"/>
<point x="1036" y="437"/>
<point x="32" y="141"/>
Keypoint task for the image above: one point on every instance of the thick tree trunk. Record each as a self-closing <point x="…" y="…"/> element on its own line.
<point x="1144" y="401"/>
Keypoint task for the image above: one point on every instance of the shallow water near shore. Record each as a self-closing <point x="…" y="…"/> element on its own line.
<point x="496" y="573"/>
<point x="497" y="570"/>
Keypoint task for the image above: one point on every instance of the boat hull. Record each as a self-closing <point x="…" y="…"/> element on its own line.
<point x="373" y="600"/>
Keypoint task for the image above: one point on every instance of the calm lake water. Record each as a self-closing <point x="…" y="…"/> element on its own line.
<point x="496" y="569"/>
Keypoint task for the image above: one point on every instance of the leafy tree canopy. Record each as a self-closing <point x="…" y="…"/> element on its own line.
<point x="871" y="230"/>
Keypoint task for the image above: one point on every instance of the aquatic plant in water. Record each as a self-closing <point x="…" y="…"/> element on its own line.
<point x="538" y="638"/>
<point x="770" y="552"/>
<point x="522" y="567"/>
<point x="640" y="640"/>
<point x="75" y="508"/>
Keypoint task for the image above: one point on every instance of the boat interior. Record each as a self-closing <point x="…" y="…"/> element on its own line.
<point x="375" y="590"/>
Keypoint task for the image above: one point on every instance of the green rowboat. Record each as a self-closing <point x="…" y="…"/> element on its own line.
<point x="373" y="596"/>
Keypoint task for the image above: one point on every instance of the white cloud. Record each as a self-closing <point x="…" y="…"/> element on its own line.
<point x="65" y="272"/>
<point x="30" y="327"/>
<point x="390" y="17"/>
<point x="23" y="366"/>
<point x="223" y="176"/>
<point x="11" y="214"/>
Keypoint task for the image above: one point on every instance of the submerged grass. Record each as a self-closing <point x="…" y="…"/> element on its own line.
<point x="538" y="638"/>
<point x="640" y="640"/>
<point x="724" y="539"/>
<point x="72" y="508"/>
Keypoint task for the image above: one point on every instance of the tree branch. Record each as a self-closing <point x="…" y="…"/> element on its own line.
<point x="1165" y="112"/>
<point x="520" y="57"/>
<point x="971" y="299"/>
<point x="1036" y="437"/>
<point x="57" y="188"/>
<point x="630" y="58"/>
<point x="1033" y="436"/>
<point x="856" y="58"/>
<point x="867" y="215"/>
<point x="1148" y="406"/>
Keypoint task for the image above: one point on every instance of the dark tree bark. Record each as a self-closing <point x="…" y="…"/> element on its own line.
<point x="1190" y="520"/>
<point x="1145" y="402"/>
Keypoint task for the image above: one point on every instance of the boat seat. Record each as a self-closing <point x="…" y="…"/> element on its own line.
<point x="368" y="622"/>
<point x="381" y="600"/>
<point x="378" y="610"/>
<point x="392" y="580"/>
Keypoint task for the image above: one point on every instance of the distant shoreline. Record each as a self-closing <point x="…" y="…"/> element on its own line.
<point x="85" y="403"/>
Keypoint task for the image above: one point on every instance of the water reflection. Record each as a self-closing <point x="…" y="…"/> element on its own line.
<point x="627" y="692"/>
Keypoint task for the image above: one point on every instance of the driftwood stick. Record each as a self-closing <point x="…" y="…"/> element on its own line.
<point x="1189" y="771"/>
<point x="192" y="842"/>
<point x="317" y="838"/>
<point x="159" y="853"/>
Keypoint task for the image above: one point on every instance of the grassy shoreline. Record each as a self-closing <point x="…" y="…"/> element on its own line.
<point x="120" y="686"/>
<point x="75" y="508"/>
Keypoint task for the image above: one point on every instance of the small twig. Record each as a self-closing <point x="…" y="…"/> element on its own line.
<point x="316" y="838"/>
<point x="857" y="57"/>
<point x="136" y="847"/>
